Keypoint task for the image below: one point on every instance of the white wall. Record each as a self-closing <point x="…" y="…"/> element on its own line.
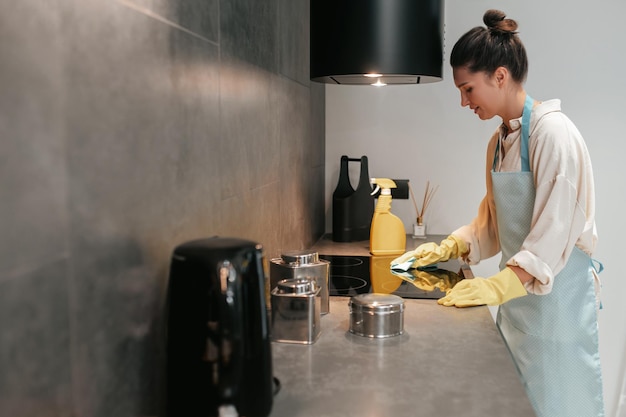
<point x="577" y="54"/>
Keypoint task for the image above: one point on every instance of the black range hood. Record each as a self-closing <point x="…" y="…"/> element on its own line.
<point x="370" y="41"/>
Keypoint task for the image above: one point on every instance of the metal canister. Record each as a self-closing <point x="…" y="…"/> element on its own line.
<point x="302" y="264"/>
<point x="376" y="315"/>
<point x="296" y="311"/>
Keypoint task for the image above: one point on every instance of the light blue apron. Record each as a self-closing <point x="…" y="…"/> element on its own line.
<point x="552" y="338"/>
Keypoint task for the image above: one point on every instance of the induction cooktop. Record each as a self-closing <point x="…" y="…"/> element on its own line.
<point x="352" y="275"/>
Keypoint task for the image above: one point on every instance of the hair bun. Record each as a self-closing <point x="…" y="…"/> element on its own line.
<point x="496" y="20"/>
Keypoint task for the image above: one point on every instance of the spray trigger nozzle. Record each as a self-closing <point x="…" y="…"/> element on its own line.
<point x="385" y="183"/>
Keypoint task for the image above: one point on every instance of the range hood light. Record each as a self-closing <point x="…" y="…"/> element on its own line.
<point x="379" y="82"/>
<point x="402" y="39"/>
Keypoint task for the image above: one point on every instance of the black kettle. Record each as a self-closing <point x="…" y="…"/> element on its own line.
<point x="218" y="343"/>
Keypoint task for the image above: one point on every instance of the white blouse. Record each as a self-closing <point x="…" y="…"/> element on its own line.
<point x="564" y="212"/>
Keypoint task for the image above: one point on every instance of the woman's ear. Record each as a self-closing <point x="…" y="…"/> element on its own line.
<point x="500" y="75"/>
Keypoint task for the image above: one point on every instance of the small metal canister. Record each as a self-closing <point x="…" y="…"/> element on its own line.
<point x="296" y="311"/>
<point x="376" y="315"/>
<point x="302" y="264"/>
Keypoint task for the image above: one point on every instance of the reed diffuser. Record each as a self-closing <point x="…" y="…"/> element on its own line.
<point x="419" y="229"/>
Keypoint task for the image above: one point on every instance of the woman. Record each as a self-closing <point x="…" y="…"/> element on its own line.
<point x="539" y="212"/>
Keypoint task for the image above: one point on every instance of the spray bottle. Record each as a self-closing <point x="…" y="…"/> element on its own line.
<point x="387" y="235"/>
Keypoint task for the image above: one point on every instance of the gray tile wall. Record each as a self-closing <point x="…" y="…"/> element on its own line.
<point x="126" y="128"/>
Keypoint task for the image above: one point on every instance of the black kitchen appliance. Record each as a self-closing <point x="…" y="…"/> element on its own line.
<point x="352" y="208"/>
<point x="218" y="344"/>
<point x="351" y="275"/>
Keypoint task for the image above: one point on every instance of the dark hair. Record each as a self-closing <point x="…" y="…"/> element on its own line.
<point x="485" y="49"/>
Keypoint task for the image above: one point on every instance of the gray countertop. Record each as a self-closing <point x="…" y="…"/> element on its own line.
<point x="449" y="362"/>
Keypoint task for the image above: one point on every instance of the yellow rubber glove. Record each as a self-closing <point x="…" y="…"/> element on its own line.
<point x="431" y="253"/>
<point x="493" y="291"/>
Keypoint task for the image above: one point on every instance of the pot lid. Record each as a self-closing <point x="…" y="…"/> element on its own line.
<point x="296" y="286"/>
<point x="303" y="257"/>
<point x="378" y="302"/>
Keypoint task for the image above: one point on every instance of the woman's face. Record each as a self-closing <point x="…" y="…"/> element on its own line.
<point x="479" y="91"/>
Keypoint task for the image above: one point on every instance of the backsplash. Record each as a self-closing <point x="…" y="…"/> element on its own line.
<point x="127" y="128"/>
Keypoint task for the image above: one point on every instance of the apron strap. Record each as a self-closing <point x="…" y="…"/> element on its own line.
<point x="528" y="107"/>
<point x="599" y="268"/>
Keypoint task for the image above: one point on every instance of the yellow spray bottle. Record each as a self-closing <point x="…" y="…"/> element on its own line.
<point x="387" y="235"/>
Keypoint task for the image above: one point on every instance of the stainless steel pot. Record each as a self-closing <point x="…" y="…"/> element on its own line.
<point x="376" y="315"/>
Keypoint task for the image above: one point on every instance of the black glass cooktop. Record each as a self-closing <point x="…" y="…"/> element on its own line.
<point x="352" y="275"/>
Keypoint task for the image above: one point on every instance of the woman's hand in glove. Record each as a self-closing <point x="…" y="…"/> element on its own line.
<point x="431" y="253"/>
<point x="496" y="290"/>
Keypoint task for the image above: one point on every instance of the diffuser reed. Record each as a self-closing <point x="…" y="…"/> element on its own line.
<point x="428" y="196"/>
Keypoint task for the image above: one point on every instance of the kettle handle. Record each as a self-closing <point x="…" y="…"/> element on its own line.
<point x="230" y="359"/>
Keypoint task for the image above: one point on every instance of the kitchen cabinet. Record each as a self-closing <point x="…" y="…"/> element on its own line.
<point x="449" y="361"/>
